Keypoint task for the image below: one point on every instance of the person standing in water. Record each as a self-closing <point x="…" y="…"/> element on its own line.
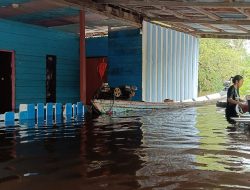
<point x="233" y="98"/>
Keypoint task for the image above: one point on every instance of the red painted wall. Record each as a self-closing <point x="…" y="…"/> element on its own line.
<point x="94" y="80"/>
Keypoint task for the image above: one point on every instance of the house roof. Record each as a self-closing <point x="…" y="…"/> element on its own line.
<point x="202" y="18"/>
<point x="57" y="14"/>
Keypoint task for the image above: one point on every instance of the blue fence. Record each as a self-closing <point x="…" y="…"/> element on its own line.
<point x="40" y="114"/>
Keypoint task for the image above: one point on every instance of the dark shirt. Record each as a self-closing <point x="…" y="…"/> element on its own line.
<point x="232" y="92"/>
<point x="230" y="109"/>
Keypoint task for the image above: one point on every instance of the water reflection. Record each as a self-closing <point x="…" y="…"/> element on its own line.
<point x="213" y="140"/>
<point x="192" y="148"/>
<point x="71" y="155"/>
<point x="110" y="147"/>
<point x="168" y="149"/>
<point x="167" y="135"/>
<point x="8" y="144"/>
<point x="223" y="149"/>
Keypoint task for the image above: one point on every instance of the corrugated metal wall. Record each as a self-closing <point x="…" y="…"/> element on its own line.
<point x="125" y="59"/>
<point x="31" y="45"/>
<point x="170" y="64"/>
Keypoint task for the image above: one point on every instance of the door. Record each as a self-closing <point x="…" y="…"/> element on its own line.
<point x="5" y="81"/>
<point x="51" y="78"/>
<point x="96" y="75"/>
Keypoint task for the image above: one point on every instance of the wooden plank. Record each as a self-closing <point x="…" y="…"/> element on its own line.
<point x="25" y="8"/>
<point x="37" y="32"/>
<point x="68" y="109"/>
<point x="213" y="28"/>
<point x="243" y="12"/>
<point x="185" y="28"/>
<point x="2" y="116"/>
<point x="224" y="35"/>
<point x="132" y="18"/>
<point x="40" y="111"/>
<point x="207" y="13"/>
<point x="173" y="12"/>
<point x="174" y="3"/>
<point x="9" y="117"/>
<point x="97" y="47"/>
<point x="199" y="21"/>
<point x="125" y="67"/>
<point x="240" y="28"/>
<point x="30" y="67"/>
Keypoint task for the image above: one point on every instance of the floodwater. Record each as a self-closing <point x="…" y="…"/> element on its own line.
<point x="190" y="148"/>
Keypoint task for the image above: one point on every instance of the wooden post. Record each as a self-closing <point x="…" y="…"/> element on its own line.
<point x="82" y="58"/>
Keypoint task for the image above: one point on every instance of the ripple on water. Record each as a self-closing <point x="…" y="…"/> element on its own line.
<point x="187" y="148"/>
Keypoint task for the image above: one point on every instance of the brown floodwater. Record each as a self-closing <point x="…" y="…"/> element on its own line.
<point x="190" y="148"/>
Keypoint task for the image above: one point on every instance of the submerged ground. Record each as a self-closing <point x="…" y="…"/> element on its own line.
<point x="189" y="148"/>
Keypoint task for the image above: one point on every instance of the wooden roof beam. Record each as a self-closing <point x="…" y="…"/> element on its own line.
<point x="207" y="13"/>
<point x="176" y="4"/>
<point x="185" y="27"/>
<point x="166" y="9"/>
<point x="175" y="13"/>
<point x="243" y="12"/>
<point x="213" y="28"/>
<point x="199" y="21"/>
<point x="29" y="8"/>
<point x="132" y="18"/>
<point x="240" y="28"/>
<point x="91" y="34"/>
<point x="225" y="35"/>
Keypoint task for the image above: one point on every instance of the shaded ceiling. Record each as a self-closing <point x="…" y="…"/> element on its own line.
<point x="202" y="18"/>
<point x="57" y="14"/>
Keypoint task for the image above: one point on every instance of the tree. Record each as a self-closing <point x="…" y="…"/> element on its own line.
<point x="219" y="60"/>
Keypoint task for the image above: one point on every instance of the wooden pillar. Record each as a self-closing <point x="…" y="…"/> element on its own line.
<point x="83" y="92"/>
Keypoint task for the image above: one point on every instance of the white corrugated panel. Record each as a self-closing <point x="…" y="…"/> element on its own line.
<point x="170" y="64"/>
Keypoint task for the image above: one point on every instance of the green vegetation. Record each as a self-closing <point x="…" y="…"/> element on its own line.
<point x="221" y="59"/>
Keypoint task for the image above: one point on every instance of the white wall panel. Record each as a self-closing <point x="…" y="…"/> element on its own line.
<point x="170" y="64"/>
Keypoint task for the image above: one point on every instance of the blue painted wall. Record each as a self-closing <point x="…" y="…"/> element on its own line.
<point x="9" y="2"/>
<point x="46" y="15"/>
<point x="31" y="45"/>
<point x="97" y="47"/>
<point x="124" y="52"/>
<point x="125" y="59"/>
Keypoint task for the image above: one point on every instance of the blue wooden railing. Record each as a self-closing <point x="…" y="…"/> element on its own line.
<point x="40" y="113"/>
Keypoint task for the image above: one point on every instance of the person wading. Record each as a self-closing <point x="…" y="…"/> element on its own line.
<point x="233" y="98"/>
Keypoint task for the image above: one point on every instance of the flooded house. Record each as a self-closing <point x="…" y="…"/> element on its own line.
<point x="54" y="57"/>
<point x="41" y="51"/>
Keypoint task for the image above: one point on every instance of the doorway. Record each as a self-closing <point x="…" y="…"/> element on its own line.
<point x="6" y="82"/>
<point x="51" y="78"/>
